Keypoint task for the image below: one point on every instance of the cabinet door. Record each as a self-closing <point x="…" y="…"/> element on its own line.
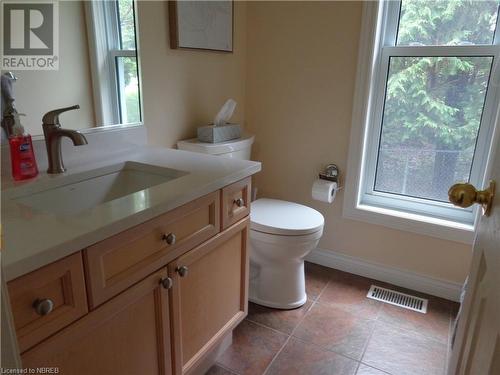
<point x="209" y="295"/>
<point x="127" y="335"/>
<point x="235" y="202"/>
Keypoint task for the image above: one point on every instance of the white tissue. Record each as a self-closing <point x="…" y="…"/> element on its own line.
<point x="225" y="113"/>
<point x="324" y="190"/>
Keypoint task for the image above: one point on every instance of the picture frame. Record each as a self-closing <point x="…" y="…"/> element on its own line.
<point x="201" y="25"/>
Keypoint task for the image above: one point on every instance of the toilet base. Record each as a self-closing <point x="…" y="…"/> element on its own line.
<point x="280" y="286"/>
<point x="273" y="305"/>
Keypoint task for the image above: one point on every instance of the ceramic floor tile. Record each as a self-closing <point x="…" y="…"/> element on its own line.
<point x="316" y="279"/>
<point x="349" y="291"/>
<point x="402" y="352"/>
<point x="367" y="370"/>
<point x="281" y="320"/>
<point x="300" y="358"/>
<point x="337" y="326"/>
<point x="217" y="370"/>
<point x="335" y="329"/>
<point x="435" y="323"/>
<point x="252" y="349"/>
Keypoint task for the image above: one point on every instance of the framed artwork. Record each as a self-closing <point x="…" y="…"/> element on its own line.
<point x="204" y="25"/>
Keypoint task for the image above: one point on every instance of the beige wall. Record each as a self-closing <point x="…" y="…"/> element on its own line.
<point x="292" y="74"/>
<point x="38" y="92"/>
<point x="300" y="79"/>
<point x="184" y="89"/>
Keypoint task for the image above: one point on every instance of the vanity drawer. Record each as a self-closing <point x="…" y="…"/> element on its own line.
<point x="236" y="202"/>
<point x="48" y="299"/>
<point x="120" y="261"/>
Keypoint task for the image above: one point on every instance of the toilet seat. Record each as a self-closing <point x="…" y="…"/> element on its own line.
<point x="278" y="217"/>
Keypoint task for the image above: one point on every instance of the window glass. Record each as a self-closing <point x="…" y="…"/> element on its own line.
<point x="126" y="23"/>
<point x="457" y="22"/>
<point x="433" y="109"/>
<point x="129" y="89"/>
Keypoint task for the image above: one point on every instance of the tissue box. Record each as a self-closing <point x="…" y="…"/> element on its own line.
<point x="216" y="134"/>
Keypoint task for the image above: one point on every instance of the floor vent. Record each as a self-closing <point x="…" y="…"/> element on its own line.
<point x="398" y="299"/>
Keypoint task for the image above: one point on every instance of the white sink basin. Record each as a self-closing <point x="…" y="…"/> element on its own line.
<point x="94" y="188"/>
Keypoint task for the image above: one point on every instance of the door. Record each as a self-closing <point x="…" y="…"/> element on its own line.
<point x="209" y="295"/>
<point x="127" y="335"/>
<point x="477" y="345"/>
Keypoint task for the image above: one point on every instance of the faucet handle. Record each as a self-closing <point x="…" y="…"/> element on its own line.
<point x="52" y="117"/>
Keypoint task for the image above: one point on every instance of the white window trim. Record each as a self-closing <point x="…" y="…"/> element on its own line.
<point x="371" y="37"/>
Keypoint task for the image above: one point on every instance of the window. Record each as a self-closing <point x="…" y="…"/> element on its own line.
<point x="431" y="109"/>
<point x="114" y="62"/>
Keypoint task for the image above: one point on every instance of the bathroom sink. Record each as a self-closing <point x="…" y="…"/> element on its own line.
<point x="97" y="187"/>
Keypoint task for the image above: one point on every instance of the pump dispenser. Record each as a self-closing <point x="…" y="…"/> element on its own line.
<point x="22" y="156"/>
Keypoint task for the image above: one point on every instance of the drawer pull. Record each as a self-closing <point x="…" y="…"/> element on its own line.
<point x="182" y="271"/>
<point x="239" y="202"/>
<point x="43" y="306"/>
<point x="169" y="238"/>
<point x="166" y="282"/>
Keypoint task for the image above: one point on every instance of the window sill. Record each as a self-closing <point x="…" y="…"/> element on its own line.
<point x="433" y="227"/>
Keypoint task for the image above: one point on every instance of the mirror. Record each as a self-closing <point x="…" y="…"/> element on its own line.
<point x="98" y="69"/>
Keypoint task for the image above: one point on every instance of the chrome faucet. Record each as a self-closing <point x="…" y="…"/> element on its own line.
<point x="53" y="133"/>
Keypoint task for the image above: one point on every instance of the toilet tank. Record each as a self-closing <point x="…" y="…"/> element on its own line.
<point x="237" y="148"/>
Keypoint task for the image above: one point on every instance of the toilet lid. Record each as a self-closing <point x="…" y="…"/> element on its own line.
<point x="285" y="218"/>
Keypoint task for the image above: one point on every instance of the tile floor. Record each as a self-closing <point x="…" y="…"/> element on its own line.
<point x="340" y="332"/>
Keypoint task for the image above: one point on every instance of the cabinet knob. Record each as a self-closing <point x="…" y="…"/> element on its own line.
<point x="182" y="271"/>
<point x="166" y="282"/>
<point x="43" y="306"/>
<point x="169" y="238"/>
<point x="239" y="202"/>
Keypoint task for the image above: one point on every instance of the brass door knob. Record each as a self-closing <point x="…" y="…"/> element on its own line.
<point x="465" y="195"/>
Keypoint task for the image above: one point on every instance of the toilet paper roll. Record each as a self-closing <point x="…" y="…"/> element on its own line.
<point x="324" y="190"/>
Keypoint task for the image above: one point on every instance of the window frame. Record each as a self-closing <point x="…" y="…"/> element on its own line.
<point x="377" y="45"/>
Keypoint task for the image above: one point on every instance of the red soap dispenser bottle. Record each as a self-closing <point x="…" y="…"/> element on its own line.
<point x="22" y="156"/>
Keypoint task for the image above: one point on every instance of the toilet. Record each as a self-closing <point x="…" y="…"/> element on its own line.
<point x="282" y="233"/>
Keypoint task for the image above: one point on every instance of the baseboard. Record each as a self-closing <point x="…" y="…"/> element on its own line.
<point x="406" y="279"/>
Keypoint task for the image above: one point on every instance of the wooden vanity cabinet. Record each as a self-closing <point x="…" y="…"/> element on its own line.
<point x="128" y="335"/>
<point x="170" y="320"/>
<point x="209" y="295"/>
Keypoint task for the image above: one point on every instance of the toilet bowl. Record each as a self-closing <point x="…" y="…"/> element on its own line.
<point x="281" y="234"/>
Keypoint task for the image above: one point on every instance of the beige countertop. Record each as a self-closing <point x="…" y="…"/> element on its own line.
<point x="34" y="238"/>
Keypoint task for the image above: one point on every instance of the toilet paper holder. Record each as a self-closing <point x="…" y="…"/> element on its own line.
<point x="330" y="173"/>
